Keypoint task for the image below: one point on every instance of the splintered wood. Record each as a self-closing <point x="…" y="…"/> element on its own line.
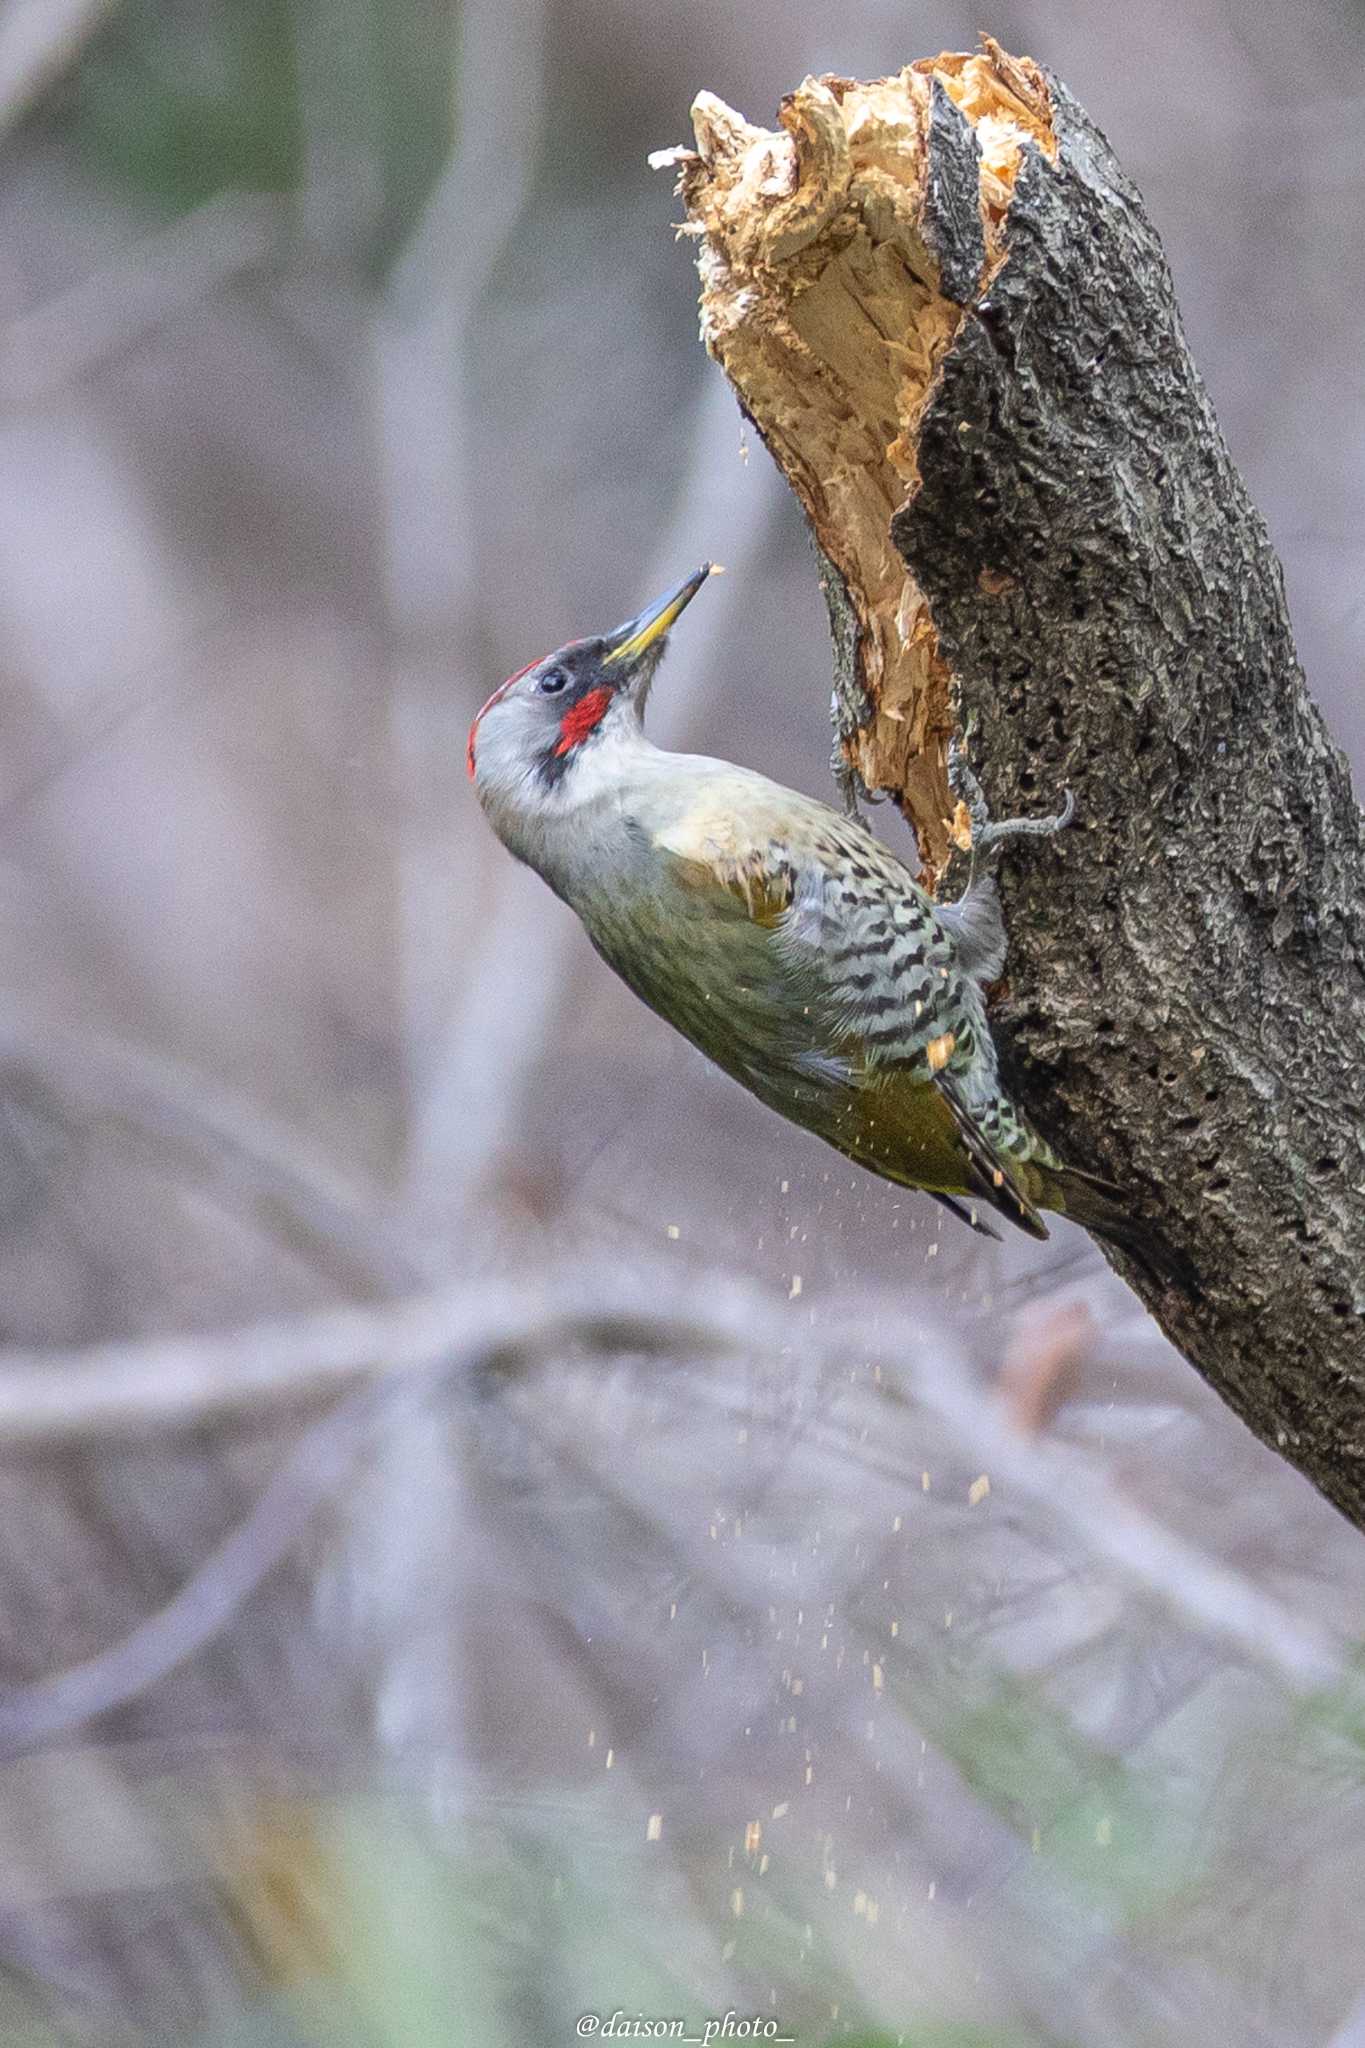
<point x="824" y="300"/>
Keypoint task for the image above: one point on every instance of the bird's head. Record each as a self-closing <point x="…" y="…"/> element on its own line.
<point x="529" y="743"/>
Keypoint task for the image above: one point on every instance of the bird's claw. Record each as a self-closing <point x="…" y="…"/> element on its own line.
<point x="993" y="831"/>
<point x="989" y="833"/>
<point x="850" y="785"/>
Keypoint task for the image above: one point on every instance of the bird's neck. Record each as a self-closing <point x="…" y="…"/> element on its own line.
<point x="559" y="829"/>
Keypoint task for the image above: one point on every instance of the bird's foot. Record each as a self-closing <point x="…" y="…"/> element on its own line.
<point x="850" y="785"/>
<point x="987" y="832"/>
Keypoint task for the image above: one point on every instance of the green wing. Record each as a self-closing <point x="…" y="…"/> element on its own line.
<point x="865" y="1017"/>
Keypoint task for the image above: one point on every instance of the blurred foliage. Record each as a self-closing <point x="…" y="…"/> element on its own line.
<point x="1331" y="1726"/>
<point x="947" y="2037"/>
<point x="1098" y="1820"/>
<point x="20" y="2024"/>
<point x="369" y="1921"/>
<point x="180" y="106"/>
<point x="183" y="109"/>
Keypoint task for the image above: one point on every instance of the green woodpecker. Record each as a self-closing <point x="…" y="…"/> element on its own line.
<point x="778" y="935"/>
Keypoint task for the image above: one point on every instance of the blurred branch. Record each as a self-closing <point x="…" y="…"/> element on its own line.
<point x="1080" y="1491"/>
<point x="255" y="1156"/>
<point x="208" y="1599"/>
<point x="461" y="1332"/>
<point x="423" y="353"/>
<point x="135" y="1387"/>
<point x="39" y="40"/>
<point x="422" y="325"/>
<point x="456" y="1334"/>
<point x="954" y="326"/>
<point x="67" y="338"/>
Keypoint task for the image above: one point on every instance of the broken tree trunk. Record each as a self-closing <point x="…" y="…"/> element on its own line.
<point x="946" y="313"/>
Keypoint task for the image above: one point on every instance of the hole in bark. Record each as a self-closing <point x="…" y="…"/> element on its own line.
<point x="1325" y="1165"/>
<point x="1187" y="1123"/>
<point x="1218" y="1185"/>
<point x="1104" y="1026"/>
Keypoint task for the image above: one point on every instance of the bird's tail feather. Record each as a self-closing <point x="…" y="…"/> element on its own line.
<point x="1103" y="1209"/>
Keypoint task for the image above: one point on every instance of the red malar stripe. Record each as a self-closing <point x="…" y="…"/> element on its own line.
<point x="583" y="717"/>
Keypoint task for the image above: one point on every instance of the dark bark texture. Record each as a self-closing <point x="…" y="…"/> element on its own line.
<point x="1186" y="1006"/>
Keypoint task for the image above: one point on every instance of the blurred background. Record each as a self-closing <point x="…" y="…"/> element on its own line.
<point x="494" y="1527"/>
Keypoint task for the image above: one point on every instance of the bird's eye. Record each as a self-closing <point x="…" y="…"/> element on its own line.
<point x="552" y="682"/>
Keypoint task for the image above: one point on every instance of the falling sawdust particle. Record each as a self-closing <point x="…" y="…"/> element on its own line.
<point x="939" y="1051"/>
<point x="978" y="1490"/>
<point x="655" y="1828"/>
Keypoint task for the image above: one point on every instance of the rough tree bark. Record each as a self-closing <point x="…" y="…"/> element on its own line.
<point x="947" y="314"/>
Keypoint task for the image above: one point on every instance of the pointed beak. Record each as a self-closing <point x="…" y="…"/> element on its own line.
<point x="638" y="635"/>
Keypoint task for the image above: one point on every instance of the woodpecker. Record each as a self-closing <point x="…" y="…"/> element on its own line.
<point x="779" y="935"/>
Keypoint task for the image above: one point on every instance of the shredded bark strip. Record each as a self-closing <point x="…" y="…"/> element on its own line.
<point x="829" y="297"/>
